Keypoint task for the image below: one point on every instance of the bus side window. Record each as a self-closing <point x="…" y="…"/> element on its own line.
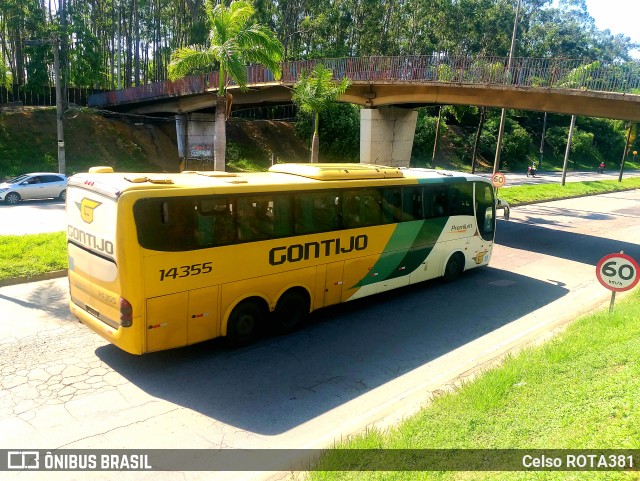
<point x="180" y="234"/>
<point x="214" y="222"/>
<point x="264" y="218"/>
<point x="412" y="203"/>
<point x="391" y="206"/>
<point x="303" y="214"/>
<point x="253" y="219"/>
<point x="316" y="212"/>
<point x="283" y="216"/>
<point x="325" y="212"/>
<point x="460" y="199"/>
<point x="436" y="203"/>
<point x="246" y="219"/>
<point x="370" y="207"/>
<point x="351" y="210"/>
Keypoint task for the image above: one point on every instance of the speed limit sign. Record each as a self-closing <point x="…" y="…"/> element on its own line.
<point x="498" y="180"/>
<point x="618" y="272"/>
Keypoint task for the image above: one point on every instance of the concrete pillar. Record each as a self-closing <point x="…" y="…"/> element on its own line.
<point x="182" y="123"/>
<point x="194" y="133"/>
<point x="386" y="136"/>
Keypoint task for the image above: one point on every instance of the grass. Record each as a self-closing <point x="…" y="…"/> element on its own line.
<point x="32" y="254"/>
<point x="580" y="390"/>
<point x="524" y="194"/>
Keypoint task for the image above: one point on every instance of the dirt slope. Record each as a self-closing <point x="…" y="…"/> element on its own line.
<point x="28" y="141"/>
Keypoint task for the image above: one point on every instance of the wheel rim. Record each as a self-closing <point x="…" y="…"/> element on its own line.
<point x="245" y="325"/>
<point x="12" y="198"/>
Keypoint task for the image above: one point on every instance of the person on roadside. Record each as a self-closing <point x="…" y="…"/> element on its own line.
<point x="531" y="170"/>
<point x="601" y="168"/>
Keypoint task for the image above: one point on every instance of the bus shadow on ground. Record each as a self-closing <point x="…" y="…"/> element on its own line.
<point x="343" y="352"/>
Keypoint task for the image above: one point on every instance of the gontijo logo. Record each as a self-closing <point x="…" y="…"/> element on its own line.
<point x="87" y="206"/>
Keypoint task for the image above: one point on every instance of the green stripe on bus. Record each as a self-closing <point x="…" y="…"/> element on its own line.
<point x="408" y="247"/>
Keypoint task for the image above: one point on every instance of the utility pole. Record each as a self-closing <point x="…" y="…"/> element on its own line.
<point x="435" y="142"/>
<point x="496" y="163"/>
<point x="626" y="150"/>
<point x="568" y="150"/>
<point x="544" y="129"/>
<point x="55" y="42"/>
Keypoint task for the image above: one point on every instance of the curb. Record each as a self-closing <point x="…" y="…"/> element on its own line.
<point x="38" y="277"/>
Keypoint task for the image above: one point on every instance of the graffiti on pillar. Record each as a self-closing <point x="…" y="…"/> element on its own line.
<point x="201" y="151"/>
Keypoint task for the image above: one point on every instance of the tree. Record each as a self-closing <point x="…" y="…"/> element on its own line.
<point x="234" y="41"/>
<point x="313" y="93"/>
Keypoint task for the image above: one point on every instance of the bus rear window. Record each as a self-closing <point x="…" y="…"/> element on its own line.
<point x="165" y="224"/>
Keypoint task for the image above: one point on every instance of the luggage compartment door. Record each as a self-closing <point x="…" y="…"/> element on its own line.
<point x="203" y="315"/>
<point x="167" y="321"/>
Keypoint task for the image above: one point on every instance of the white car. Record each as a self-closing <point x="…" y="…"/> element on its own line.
<point x="38" y="185"/>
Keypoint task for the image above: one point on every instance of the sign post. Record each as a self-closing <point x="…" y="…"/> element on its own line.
<point x="618" y="273"/>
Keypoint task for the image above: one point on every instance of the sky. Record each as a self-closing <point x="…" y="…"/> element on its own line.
<point x="619" y="16"/>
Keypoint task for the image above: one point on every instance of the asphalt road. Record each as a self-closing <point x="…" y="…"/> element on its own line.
<point x="32" y="217"/>
<point x="368" y="362"/>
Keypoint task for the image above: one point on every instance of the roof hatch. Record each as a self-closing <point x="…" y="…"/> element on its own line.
<point x="339" y="171"/>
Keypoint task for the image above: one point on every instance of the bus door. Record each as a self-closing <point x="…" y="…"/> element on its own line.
<point x="333" y="283"/>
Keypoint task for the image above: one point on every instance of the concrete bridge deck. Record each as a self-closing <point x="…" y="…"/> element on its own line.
<point x="550" y="85"/>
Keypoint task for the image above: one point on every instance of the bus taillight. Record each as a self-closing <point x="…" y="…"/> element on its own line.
<point x="126" y="313"/>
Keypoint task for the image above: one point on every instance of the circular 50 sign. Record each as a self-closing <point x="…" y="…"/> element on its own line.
<point x="618" y="272"/>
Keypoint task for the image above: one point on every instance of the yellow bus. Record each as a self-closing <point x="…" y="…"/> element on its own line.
<point x="158" y="261"/>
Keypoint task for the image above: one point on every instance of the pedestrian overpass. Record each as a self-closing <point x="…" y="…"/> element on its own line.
<point x="390" y="87"/>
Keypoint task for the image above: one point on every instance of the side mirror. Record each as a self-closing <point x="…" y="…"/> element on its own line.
<point x="503" y="204"/>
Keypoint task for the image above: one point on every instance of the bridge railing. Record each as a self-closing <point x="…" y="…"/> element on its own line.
<point x="524" y="71"/>
<point x="560" y="73"/>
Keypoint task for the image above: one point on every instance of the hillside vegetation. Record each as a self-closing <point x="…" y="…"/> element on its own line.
<point x="28" y="142"/>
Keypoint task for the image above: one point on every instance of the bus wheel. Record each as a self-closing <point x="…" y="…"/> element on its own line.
<point x="455" y="266"/>
<point x="243" y="323"/>
<point x="291" y="310"/>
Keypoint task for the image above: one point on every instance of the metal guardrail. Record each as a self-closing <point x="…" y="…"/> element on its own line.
<point x="44" y="98"/>
<point x="557" y="73"/>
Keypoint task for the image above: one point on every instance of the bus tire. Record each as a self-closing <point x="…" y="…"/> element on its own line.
<point x="244" y="323"/>
<point x="454" y="267"/>
<point x="291" y="310"/>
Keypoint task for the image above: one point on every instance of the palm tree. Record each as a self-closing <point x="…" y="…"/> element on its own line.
<point x="313" y="93"/>
<point x="234" y="41"/>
